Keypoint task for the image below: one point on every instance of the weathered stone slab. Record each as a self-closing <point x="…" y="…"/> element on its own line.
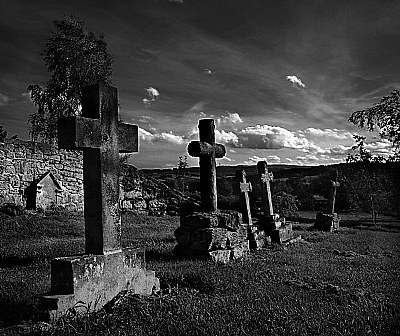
<point x="239" y="253"/>
<point x="220" y="256"/>
<point x="202" y="240"/>
<point x="200" y="220"/>
<point x="327" y="222"/>
<point x="236" y="238"/>
<point x="230" y="219"/>
<point x="282" y="234"/>
<point x="93" y="280"/>
<point x="269" y="222"/>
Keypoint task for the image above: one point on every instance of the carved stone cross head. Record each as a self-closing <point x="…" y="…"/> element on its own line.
<point x="207" y="151"/>
<point x="267" y="177"/>
<point x="246" y="187"/>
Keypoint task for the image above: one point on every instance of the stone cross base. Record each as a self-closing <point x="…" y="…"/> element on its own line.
<point x="327" y="222"/>
<point x="220" y="236"/>
<point x="257" y="238"/>
<point x="278" y="231"/>
<point x="283" y="234"/>
<point x="88" y="282"/>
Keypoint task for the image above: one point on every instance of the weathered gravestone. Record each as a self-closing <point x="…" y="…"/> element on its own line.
<point x="269" y="221"/>
<point x="256" y="237"/>
<point x="107" y="268"/>
<point x="210" y="233"/>
<point x="245" y="187"/>
<point x="329" y="221"/>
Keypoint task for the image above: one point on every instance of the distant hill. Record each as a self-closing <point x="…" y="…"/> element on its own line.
<point x="230" y="171"/>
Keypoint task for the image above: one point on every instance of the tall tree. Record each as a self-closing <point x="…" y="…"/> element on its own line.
<point x="75" y="57"/>
<point x="385" y="116"/>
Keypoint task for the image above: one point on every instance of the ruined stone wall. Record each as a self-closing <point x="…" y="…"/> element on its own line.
<point x="142" y="194"/>
<point x="21" y="162"/>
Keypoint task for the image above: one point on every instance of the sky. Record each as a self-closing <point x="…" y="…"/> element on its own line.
<point x="280" y="78"/>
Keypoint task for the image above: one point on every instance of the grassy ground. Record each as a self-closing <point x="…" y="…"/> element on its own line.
<point x="346" y="283"/>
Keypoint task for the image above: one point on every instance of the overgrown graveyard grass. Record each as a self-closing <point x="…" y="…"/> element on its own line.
<point x="345" y="283"/>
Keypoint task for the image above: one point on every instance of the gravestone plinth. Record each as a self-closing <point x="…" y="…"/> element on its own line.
<point x="88" y="282"/>
<point x="219" y="235"/>
<point x="329" y="220"/>
<point x="91" y="280"/>
<point x="210" y="233"/>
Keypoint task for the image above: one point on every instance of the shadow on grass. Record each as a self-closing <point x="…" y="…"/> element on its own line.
<point x="365" y="225"/>
<point x="6" y="262"/>
<point x="15" y="312"/>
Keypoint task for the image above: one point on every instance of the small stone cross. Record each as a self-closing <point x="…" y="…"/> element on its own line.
<point x="332" y="196"/>
<point x="265" y="177"/>
<point x="207" y="151"/>
<point x="245" y="188"/>
<point x="101" y="136"/>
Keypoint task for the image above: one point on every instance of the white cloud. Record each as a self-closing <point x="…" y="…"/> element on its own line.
<point x="227" y="159"/>
<point x="295" y="80"/>
<point x="269" y="137"/>
<point x="145" y="135"/>
<point x="327" y="133"/>
<point x="169" y="138"/>
<point x="153" y="96"/>
<point x="230" y="118"/>
<point x="271" y="159"/>
<point x="207" y="71"/>
<point x="153" y="93"/>
<point x="226" y="137"/>
<point x="161" y="137"/>
<point x="3" y="99"/>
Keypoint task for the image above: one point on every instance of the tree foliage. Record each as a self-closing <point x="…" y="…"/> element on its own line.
<point x="3" y="133"/>
<point x="181" y="172"/>
<point x="384" y="115"/>
<point x="75" y="57"/>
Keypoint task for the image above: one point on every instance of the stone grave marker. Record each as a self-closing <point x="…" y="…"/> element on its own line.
<point x="107" y="268"/>
<point x="269" y="221"/>
<point x="245" y="188"/>
<point x="207" y="151"/>
<point x="329" y="221"/>
<point x="210" y="233"/>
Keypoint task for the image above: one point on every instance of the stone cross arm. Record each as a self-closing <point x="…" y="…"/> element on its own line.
<point x="267" y="177"/>
<point x="199" y="148"/>
<point x="80" y="132"/>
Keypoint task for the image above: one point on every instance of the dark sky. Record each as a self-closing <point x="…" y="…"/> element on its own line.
<point x="280" y="77"/>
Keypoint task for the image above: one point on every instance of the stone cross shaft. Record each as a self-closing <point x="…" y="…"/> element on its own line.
<point x="101" y="137"/>
<point x="207" y="151"/>
<point x="332" y="196"/>
<point x="265" y="177"/>
<point x="245" y="188"/>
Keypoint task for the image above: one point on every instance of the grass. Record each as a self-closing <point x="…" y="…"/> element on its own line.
<point x="346" y="283"/>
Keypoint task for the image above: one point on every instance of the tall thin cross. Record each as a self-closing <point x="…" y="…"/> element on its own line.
<point x="332" y="196"/>
<point x="207" y="151"/>
<point x="101" y="136"/>
<point x="245" y="188"/>
<point x="266" y="177"/>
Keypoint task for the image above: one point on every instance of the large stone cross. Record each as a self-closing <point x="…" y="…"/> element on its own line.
<point x="266" y="177"/>
<point x="207" y="151"/>
<point x="101" y="136"/>
<point x="332" y="196"/>
<point x="245" y="188"/>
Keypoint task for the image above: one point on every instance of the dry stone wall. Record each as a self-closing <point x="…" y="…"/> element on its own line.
<point x="22" y="162"/>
